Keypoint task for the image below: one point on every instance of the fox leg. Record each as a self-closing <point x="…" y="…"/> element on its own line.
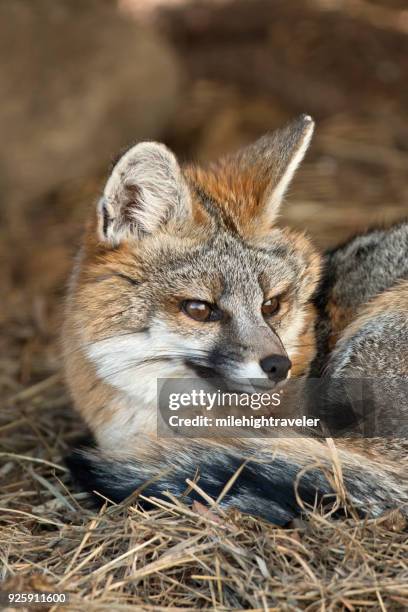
<point x="372" y="352"/>
<point x="376" y="342"/>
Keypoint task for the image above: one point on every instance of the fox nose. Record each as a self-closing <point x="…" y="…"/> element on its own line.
<point x="276" y="367"/>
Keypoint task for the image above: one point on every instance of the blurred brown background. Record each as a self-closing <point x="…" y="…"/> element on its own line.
<point x="81" y="79"/>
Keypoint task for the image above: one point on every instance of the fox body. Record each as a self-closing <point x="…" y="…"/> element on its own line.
<point x="183" y="272"/>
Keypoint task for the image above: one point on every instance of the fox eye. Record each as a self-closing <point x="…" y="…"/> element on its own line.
<point x="200" y="311"/>
<point x="270" y="307"/>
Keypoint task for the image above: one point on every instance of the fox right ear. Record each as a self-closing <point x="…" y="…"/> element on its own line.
<point x="145" y="190"/>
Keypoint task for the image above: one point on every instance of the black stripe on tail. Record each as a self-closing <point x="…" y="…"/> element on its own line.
<point x="265" y="490"/>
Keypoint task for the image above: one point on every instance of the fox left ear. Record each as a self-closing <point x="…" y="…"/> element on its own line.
<point x="145" y="190"/>
<point x="273" y="160"/>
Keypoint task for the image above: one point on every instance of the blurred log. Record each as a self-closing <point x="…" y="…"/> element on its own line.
<point x="78" y="81"/>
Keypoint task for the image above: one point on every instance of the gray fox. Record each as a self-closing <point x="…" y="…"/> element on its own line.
<point x="184" y="272"/>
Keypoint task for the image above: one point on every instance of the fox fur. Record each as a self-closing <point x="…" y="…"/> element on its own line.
<point x="163" y="234"/>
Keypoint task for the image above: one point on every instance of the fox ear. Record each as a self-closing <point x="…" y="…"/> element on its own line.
<point x="145" y="190"/>
<point x="273" y="160"/>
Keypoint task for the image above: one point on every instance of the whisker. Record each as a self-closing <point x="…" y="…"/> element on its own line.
<point x="87" y="345"/>
<point x="158" y="358"/>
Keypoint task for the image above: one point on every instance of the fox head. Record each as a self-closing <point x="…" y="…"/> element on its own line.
<point x="184" y="271"/>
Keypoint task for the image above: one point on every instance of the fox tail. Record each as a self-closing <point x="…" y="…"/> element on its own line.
<point x="275" y="482"/>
